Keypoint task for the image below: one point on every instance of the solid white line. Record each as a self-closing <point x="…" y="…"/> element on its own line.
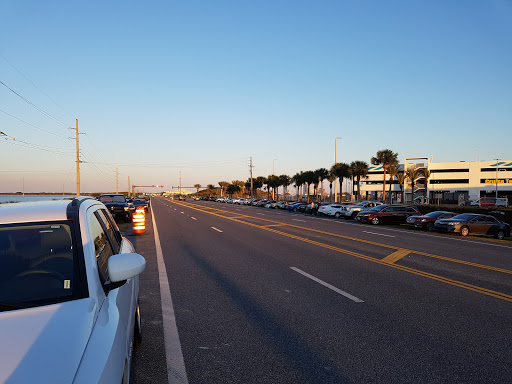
<point x="215" y="229"/>
<point x="193" y="218"/>
<point x="176" y="373"/>
<point x="302" y="221"/>
<point x="380" y="234"/>
<point x="331" y="287"/>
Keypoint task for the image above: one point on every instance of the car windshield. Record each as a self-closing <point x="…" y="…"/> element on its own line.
<point x="463" y="217"/>
<point x="139" y="201"/>
<point x="434" y="214"/>
<point x="36" y="264"/>
<point x="112" y="199"/>
<point x="377" y="208"/>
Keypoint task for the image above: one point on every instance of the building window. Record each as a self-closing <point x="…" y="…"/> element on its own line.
<point x="450" y="181"/>
<point x="450" y="170"/>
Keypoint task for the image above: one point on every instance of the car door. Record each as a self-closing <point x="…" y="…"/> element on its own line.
<point x="108" y="349"/>
<point x="491" y="225"/>
<point x="478" y="225"/>
<point x="386" y="215"/>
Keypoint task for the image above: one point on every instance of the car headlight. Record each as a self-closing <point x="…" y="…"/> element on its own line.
<point x="126" y="208"/>
<point x="423" y="220"/>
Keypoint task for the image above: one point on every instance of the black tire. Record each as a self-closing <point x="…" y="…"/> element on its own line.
<point x="430" y="227"/>
<point x="376" y="221"/>
<point x="500" y="235"/>
<point x="354" y="214"/>
<point x="294" y="209"/>
<point x="464" y="231"/>
<point x="337" y="215"/>
<point x="137" y="329"/>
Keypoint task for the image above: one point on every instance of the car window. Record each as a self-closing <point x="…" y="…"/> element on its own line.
<point x="102" y="247"/>
<point x="411" y="210"/>
<point x="37" y="263"/>
<point x="111" y="227"/>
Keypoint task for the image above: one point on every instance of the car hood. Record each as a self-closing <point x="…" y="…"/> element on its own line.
<point x="45" y="344"/>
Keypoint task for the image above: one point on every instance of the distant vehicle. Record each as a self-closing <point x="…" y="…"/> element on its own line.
<point x="427" y="221"/>
<point x="182" y="198"/>
<point x="69" y="286"/>
<point x="491" y="202"/>
<point x="474" y="224"/>
<point x="387" y="214"/>
<point x="140" y="203"/>
<point x="117" y="204"/>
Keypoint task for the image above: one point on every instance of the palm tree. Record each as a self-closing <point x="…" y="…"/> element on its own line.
<point x="385" y="157"/>
<point x="359" y="169"/>
<point x="232" y="188"/>
<point x="413" y="174"/>
<point x="309" y="178"/>
<point x="210" y="188"/>
<point x="401" y="177"/>
<point x="285" y="181"/>
<point x="298" y="181"/>
<point x="240" y="185"/>
<point x="341" y="171"/>
<point x="331" y="179"/>
<point x="223" y="184"/>
<point x="197" y="186"/>
<point x="273" y="182"/>
<point x="321" y="174"/>
<point x="258" y="183"/>
<point x="393" y="170"/>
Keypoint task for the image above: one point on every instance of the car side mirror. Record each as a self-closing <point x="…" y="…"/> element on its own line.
<point x="124" y="266"/>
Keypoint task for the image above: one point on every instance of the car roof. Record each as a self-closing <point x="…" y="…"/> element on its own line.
<point x="54" y="210"/>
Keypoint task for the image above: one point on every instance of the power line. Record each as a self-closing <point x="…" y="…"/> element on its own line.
<point x="32" y="125"/>
<point x="30" y="81"/>
<point x="35" y="106"/>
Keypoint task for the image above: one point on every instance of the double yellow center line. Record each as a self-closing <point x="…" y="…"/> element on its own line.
<point x="389" y="260"/>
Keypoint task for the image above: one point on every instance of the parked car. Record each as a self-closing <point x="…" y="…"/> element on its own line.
<point x="69" y="285"/>
<point x="295" y="206"/>
<point x="140" y="203"/>
<point x="331" y="209"/>
<point x="351" y="211"/>
<point x="427" y="221"/>
<point x="387" y="214"/>
<point x="474" y="224"/>
<point x="117" y="204"/>
<point x="490" y="202"/>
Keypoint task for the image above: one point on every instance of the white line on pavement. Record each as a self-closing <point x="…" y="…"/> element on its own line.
<point x="176" y="373"/>
<point x="302" y="221"/>
<point x="193" y="218"/>
<point x="327" y="285"/>
<point x="216" y="229"/>
<point x="380" y="234"/>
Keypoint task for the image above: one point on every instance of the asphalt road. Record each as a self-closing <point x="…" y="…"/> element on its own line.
<point x="266" y="296"/>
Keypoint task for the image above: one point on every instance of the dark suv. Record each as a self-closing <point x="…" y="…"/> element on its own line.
<point x="117" y="204"/>
<point x="388" y="214"/>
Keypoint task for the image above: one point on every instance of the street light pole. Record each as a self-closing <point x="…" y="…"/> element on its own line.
<point x="336" y="162"/>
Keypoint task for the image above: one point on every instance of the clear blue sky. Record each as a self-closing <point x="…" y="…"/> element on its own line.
<point x="198" y="87"/>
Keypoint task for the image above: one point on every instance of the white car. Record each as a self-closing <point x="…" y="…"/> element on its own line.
<point x="351" y="211"/>
<point x="330" y="210"/>
<point x="69" y="289"/>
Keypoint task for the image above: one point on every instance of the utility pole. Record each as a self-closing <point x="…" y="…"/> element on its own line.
<point x="77" y="162"/>
<point x="117" y="181"/>
<point x="251" y="178"/>
<point x="128" y="184"/>
<point x="180" y="182"/>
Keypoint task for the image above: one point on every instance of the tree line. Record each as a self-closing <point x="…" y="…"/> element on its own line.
<point x="356" y="171"/>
